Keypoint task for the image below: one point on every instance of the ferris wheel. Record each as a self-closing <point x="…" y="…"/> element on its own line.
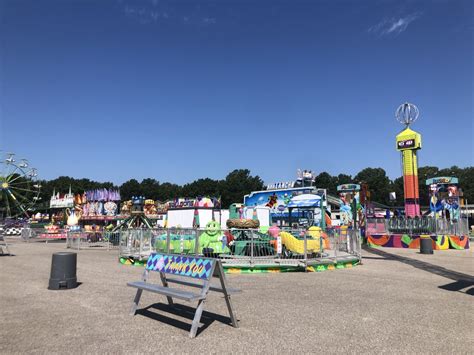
<point x="19" y="187"/>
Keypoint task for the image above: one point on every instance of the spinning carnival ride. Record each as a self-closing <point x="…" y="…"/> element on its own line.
<point x="19" y="187"/>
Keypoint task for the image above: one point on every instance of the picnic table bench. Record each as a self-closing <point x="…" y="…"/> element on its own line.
<point x="192" y="268"/>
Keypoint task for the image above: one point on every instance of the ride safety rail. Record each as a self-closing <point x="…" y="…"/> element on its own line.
<point x="246" y="247"/>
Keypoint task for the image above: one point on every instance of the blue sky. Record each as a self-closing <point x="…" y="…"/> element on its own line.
<point x="178" y="90"/>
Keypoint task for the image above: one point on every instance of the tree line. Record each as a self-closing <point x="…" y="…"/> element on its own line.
<point x="240" y="182"/>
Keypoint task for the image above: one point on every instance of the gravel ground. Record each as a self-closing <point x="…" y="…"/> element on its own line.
<point x="398" y="301"/>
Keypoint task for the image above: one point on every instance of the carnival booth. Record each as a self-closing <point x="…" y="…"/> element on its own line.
<point x="59" y="205"/>
<point x="99" y="211"/>
<point x="194" y="213"/>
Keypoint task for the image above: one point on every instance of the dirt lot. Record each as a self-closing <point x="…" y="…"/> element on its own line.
<point x="398" y="301"/>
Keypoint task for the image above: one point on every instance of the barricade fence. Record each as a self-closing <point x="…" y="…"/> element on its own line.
<point x="418" y="225"/>
<point x="245" y="247"/>
<point x="80" y="239"/>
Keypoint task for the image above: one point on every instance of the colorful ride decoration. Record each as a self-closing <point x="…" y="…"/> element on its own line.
<point x="406" y="232"/>
<point x="281" y="200"/>
<point x="200" y="201"/>
<point x="309" y="210"/>
<point x="295" y="243"/>
<point x="73" y="220"/>
<point x="181" y="243"/>
<point x="150" y="208"/>
<point x="53" y="231"/>
<point x="408" y="142"/>
<point x="213" y="241"/>
<point x="444" y="197"/>
<point x="137" y="217"/>
<point x="351" y="210"/>
<point x="440" y="242"/>
<point x="286" y="268"/>
<point x="317" y="232"/>
<point x="97" y="203"/>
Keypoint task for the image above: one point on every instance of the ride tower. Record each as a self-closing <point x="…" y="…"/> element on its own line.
<point x="408" y="142"/>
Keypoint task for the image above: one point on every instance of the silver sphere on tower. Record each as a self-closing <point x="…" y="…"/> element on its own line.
<point x="407" y="113"/>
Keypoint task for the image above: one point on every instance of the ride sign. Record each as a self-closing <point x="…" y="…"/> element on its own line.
<point x="405" y="144"/>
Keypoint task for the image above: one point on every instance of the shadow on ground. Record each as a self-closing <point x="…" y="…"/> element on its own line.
<point x="461" y="280"/>
<point x="183" y="311"/>
<point x="458" y="286"/>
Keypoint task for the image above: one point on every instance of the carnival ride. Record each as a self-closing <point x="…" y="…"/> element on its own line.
<point x="19" y="188"/>
<point x="137" y="218"/>
<point x="446" y="227"/>
<point x="408" y="142"/>
<point x="281" y="229"/>
<point x="445" y="197"/>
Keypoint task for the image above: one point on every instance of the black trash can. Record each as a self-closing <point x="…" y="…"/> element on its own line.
<point x="63" y="271"/>
<point x="426" y="245"/>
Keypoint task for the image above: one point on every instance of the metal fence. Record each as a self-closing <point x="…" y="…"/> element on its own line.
<point x="418" y="225"/>
<point x="84" y="240"/>
<point x="246" y="247"/>
<point x="28" y="233"/>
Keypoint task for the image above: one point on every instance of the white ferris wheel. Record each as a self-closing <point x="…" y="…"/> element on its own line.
<point x="19" y="187"/>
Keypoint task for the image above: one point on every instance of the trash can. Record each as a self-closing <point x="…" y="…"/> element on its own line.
<point x="426" y="245"/>
<point x="63" y="271"/>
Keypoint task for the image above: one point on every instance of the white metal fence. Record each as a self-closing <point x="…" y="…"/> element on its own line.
<point x="84" y="240"/>
<point x="418" y="225"/>
<point x="245" y="247"/>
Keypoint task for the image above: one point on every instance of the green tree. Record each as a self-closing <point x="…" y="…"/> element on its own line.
<point x="169" y="191"/>
<point x="378" y="182"/>
<point x="150" y="188"/>
<point x="237" y="184"/>
<point x="466" y="182"/>
<point x="130" y="188"/>
<point x="344" y="179"/>
<point x="325" y="181"/>
<point x="202" y="187"/>
<point x="397" y="187"/>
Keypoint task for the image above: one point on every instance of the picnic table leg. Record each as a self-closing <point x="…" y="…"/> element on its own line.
<point x="196" y="319"/>
<point x="165" y="284"/>
<point x="233" y="318"/>
<point x="135" y="302"/>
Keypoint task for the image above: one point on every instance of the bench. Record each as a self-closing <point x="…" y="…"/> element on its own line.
<point x="189" y="267"/>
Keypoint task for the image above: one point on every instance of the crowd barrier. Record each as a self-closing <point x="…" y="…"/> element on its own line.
<point x="418" y="225"/>
<point x="245" y="247"/>
<point x="81" y="239"/>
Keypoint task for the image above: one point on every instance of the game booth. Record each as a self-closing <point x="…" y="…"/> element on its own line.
<point x="56" y="229"/>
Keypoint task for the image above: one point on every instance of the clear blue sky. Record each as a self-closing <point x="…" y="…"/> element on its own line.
<point x="178" y="90"/>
